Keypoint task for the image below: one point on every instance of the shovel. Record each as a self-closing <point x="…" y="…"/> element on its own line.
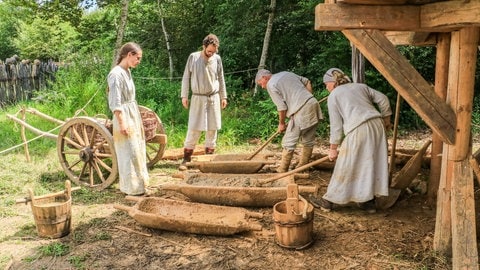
<point x="262" y="146"/>
<point x="282" y="175"/>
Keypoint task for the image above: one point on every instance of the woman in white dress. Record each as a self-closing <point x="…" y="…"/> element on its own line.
<point x="128" y="136"/>
<point x="358" y="143"/>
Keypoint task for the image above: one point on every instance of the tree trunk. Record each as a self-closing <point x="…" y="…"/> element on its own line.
<point x="167" y="40"/>
<point x="121" y="30"/>
<point x="266" y="39"/>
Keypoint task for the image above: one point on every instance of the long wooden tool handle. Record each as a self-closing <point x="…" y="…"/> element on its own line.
<point x="394" y="141"/>
<point x="299" y="169"/>
<point x="263" y="145"/>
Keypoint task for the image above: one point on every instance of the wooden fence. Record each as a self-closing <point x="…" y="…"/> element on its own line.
<point x="19" y="81"/>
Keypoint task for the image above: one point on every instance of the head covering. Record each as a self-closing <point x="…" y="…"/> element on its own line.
<point x="336" y="76"/>
<point x="330" y="77"/>
<point x="261" y="73"/>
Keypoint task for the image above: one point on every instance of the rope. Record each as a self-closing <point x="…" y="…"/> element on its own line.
<point x="180" y="78"/>
<point x="50" y="131"/>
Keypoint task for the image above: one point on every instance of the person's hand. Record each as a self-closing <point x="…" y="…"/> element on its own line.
<point x="123" y="128"/>
<point x="386" y="123"/>
<point x="224" y="103"/>
<point x="281" y="127"/>
<point x="185" y="102"/>
<point x="332" y="154"/>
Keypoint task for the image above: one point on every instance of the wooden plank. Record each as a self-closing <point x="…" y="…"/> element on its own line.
<point x="464" y="237"/>
<point x="407" y="81"/>
<point x="373" y="2"/>
<point x="443" y="16"/>
<point x="450" y="14"/>
<point x="339" y="17"/>
<point x="461" y="81"/>
<point x="411" y="38"/>
<point x="442" y="240"/>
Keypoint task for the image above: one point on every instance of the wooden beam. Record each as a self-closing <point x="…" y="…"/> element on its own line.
<point x="443" y="16"/>
<point x="411" y="38"/>
<point x="450" y="14"/>
<point x="442" y="61"/>
<point x="373" y="2"/>
<point x="442" y="240"/>
<point x="461" y="80"/>
<point x="407" y="81"/>
<point x="464" y="236"/>
<point x="340" y="16"/>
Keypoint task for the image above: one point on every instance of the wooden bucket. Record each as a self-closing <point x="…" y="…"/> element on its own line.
<point x="52" y="212"/>
<point x="293" y="220"/>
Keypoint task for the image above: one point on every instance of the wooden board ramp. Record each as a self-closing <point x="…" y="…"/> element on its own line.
<point x="187" y="217"/>
<point x="405" y="176"/>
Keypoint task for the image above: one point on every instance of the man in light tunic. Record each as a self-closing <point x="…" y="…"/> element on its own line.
<point x="292" y="94"/>
<point x="361" y="169"/>
<point x="128" y="137"/>
<point x="203" y="74"/>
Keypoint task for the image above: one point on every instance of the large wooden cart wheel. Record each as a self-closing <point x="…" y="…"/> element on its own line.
<point x="156" y="139"/>
<point x="86" y="152"/>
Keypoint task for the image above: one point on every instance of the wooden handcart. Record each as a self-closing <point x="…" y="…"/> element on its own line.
<point x="85" y="145"/>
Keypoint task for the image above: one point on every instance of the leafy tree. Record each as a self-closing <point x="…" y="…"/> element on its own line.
<point x="46" y="39"/>
<point x="97" y="31"/>
<point x="7" y="31"/>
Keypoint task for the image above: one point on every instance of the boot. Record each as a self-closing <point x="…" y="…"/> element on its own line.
<point x="306" y="154"/>
<point x="285" y="162"/>
<point x="187" y="157"/>
<point x="209" y="151"/>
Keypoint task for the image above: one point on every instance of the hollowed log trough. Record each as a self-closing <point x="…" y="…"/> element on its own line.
<point x="236" y="189"/>
<point x="197" y="218"/>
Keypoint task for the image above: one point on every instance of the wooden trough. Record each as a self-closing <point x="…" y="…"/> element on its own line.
<point x="229" y="163"/>
<point x="181" y="216"/>
<point x="235" y="189"/>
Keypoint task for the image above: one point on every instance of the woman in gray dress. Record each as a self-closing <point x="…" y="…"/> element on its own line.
<point x="358" y="143"/>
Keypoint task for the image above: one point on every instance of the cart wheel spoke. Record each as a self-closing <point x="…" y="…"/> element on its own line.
<point x="73" y="143"/>
<point x="98" y="171"/>
<point x="86" y="152"/>
<point x="103" y="164"/>
<point x="75" y="133"/>
<point x="85" y="134"/>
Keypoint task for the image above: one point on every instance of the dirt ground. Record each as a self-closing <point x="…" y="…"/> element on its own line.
<point x="103" y="237"/>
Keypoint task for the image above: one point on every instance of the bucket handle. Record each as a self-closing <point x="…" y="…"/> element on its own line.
<point x="32" y="197"/>
<point x="305" y="208"/>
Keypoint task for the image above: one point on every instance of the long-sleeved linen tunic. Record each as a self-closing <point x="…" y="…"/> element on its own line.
<point x="288" y="92"/>
<point x="131" y="149"/>
<point x="361" y="169"/>
<point x="206" y="80"/>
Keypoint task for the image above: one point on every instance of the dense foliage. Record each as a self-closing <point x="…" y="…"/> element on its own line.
<point x="82" y="34"/>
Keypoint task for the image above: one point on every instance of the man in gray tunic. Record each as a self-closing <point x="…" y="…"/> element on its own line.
<point x="292" y="94"/>
<point x="361" y="168"/>
<point x="203" y="74"/>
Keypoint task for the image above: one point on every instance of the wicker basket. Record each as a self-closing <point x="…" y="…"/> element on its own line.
<point x="150" y="124"/>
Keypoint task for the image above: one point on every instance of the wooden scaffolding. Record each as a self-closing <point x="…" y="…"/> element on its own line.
<point x="375" y="27"/>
